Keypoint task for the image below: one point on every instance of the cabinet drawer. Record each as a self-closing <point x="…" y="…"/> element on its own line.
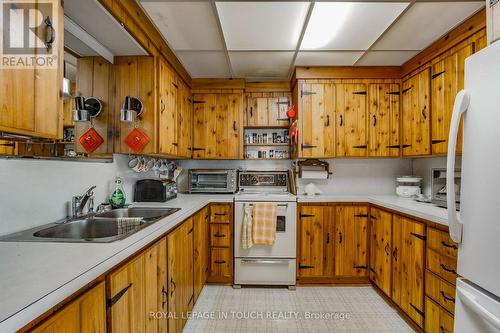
<point x="437" y="320"/>
<point x="444" y="267"/>
<point x="220" y="235"/>
<point x="221" y="213"/>
<point x="440" y="291"/>
<point x="221" y="264"/>
<point x="441" y="242"/>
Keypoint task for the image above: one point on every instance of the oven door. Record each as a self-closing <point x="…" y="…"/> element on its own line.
<point x="203" y="182"/>
<point x="284" y="247"/>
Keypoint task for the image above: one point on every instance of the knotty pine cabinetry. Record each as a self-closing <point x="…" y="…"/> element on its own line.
<point x="416" y="114"/>
<point x="180" y="275"/>
<point x="87" y="313"/>
<point x="94" y="79"/>
<point x="168" y="115"/>
<point x="30" y="99"/>
<point x="266" y="109"/>
<point x="138" y="288"/>
<point x="221" y="243"/>
<point x="135" y="76"/>
<point x="217" y="119"/>
<point x="381" y="249"/>
<point x="315" y="246"/>
<point x="200" y="252"/>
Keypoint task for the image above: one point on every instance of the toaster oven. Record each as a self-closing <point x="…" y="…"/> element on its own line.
<point x="212" y="180"/>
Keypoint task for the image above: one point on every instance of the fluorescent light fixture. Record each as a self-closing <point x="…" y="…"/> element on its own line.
<point x="325" y="23"/>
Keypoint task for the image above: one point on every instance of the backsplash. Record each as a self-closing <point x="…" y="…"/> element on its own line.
<point x="36" y="192"/>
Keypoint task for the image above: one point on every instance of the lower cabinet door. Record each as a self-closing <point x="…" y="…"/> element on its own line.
<point x="87" y="313"/>
<point x="201" y="229"/>
<point x="380" y="249"/>
<point x="315" y="242"/>
<point x="221" y="265"/>
<point x="408" y="267"/>
<point x="437" y="319"/>
<point x="351" y="241"/>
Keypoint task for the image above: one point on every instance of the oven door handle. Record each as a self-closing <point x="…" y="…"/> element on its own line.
<point x="265" y="261"/>
<point x="278" y="205"/>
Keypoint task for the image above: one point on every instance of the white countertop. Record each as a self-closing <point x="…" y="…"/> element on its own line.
<point x="36" y="276"/>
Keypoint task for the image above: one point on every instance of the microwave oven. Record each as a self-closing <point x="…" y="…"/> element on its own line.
<point x="212" y="180"/>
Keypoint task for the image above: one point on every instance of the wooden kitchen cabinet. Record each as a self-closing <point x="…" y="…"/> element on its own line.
<point x="138" y="288"/>
<point x="351" y="135"/>
<point x="200" y="251"/>
<point x="221" y="240"/>
<point x="315" y="248"/>
<point x="93" y="79"/>
<point x="408" y="267"/>
<point x="87" y="313"/>
<point x="217" y="126"/>
<point x="446" y="81"/>
<point x="381" y="249"/>
<point x="184" y="121"/>
<point x="351" y="241"/>
<point x="266" y="109"/>
<point x="168" y="90"/>
<point x="383" y="120"/>
<point x="30" y="101"/>
<point x="180" y="275"/>
<point x="437" y="320"/>
<point x="317" y="120"/>
<point x="135" y="77"/>
<point x="416" y="123"/>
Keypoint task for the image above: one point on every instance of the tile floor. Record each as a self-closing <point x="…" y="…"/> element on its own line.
<point x="344" y="309"/>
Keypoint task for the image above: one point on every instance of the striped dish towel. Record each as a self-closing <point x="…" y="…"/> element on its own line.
<point x="264" y="223"/>
<point x="246" y="228"/>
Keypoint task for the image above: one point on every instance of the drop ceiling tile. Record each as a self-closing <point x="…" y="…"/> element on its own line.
<point x="312" y="58"/>
<point x="262" y="25"/>
<point x="348" y="25"/>
<point x="188" y="25"/>
<point x="385" y="58"/>
<point x="205" y="64"/>
<point x="261" y="64"/>
<point x="425" y="22"/>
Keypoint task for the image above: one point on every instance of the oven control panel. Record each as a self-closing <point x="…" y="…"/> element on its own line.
<point x="277" y="179"/>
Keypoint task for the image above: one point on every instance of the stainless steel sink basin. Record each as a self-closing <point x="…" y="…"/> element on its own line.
<point x="101" y="228"/>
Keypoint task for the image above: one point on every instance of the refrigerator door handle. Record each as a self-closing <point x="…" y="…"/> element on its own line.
<point x="455" y="225"/>
<point x="469" y="300"/>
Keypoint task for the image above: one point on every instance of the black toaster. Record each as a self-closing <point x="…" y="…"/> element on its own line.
<point x="154" y="190"/>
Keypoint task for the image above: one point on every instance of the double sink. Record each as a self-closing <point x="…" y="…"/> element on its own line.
<point x="99" y="228"/>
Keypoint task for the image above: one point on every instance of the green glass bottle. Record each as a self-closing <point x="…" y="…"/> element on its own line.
<point x="117" y="199"/>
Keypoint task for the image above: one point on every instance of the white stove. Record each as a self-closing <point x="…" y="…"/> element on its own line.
<point x="266" y="264"/>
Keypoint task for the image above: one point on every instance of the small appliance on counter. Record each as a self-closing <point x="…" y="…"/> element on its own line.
<point x="408" y="186"/>
<point x="438" y="186"/>
<point x="212" y="180"/>
<point x="155" y="190"/>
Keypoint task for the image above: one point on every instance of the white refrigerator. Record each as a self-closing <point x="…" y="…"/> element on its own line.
<point x="477" y="226"/>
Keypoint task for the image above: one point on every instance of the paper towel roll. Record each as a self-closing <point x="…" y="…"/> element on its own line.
<point x="314" y="174"/>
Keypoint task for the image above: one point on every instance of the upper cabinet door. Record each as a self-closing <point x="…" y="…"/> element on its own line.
<point x="351" y="135"/>
<point x="316" y="120"/>
<point x="278" y="106"/>
<point x="168" y="90"/>
<point x="185" y="121"/>
<point x="446" y="81"/>
<point x="135" y="76"/>
<point x="383" y="120"/>
<point x="416" y="115"/>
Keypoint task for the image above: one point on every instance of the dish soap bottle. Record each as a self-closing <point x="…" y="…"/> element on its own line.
<point x="117" y="199"/>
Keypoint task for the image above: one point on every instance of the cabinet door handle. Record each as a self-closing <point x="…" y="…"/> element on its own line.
<point x="327" y="238"/>
<point x="172" y="286"/>
<point x="302" y="215"/>
<point x="341" y="121"/>
<point x="305" y="266"/>
<point x="234" y="126"/>
<point x="251" y="112"/>
<point x="52" y="34"/>
<point x="162" y="106"/>
<point x="164" y="296"/>
<point x="360" y="266"/>
<point x="435" y="142"/>
<point x="220" y="262"/>
<point x="448" y="269"/>
<point x="447" y="298"/>
<point x="361" y="215"/>
<point x="340" y="237"/>
<point x="424" y="114"/>
<point x="327" y="120"/>
<point x="111" y="301"/>
<point x="306" y="146"/>
<point x="374" y="120"/>
<point x="219" y="235"/>
<point x="454" y="247"/>
<point x="395" y="254"/>
<point x="220" y="214"/>
<point x="387" y="249"/>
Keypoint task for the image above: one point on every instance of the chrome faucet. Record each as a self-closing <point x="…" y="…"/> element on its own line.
<point x="78" y="202"/>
